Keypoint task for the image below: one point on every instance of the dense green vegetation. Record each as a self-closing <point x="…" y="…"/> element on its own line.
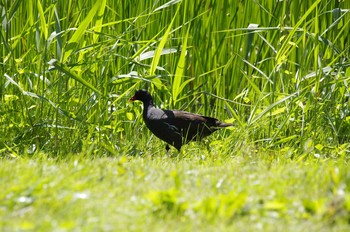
<point x="75" y="154"/>
<point x="278" y="70"/>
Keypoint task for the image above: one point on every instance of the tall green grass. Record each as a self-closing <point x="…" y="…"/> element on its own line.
<point x="278" y="69"/>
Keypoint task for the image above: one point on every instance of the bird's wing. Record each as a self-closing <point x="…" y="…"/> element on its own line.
<point x="194" y="119"/>
<point x="193" y="126"/>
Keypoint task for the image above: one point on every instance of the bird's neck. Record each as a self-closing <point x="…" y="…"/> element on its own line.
<point x="147" y="105"/>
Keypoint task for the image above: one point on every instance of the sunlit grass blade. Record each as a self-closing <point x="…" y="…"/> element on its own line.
<point x="81" y="30"/>
<point x="283" y="52"/>
<point x="43" y="24"/>
<point x="62" y="68"/>
<point x="138" y="53"/>
<point x="178" y="81"/>
<point x="58" y="31"/>
<point x="253" y="119"/>
<point x="167" y="4"/>
<point x="235" y="116"/>
<point x="13" y="9"/>
<point x="161" y="45"/>
<point x="99" y="20"/>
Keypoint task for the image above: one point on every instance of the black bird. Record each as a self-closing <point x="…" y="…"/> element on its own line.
<point x="175" y="127"/>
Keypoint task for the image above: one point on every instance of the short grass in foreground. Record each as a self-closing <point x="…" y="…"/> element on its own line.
<point x="201" y="192"/>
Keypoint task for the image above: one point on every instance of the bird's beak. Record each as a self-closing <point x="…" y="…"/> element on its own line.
<point x="133" y="98"/>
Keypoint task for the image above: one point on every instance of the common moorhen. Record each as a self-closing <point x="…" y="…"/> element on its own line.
<point x="174" y="126"/>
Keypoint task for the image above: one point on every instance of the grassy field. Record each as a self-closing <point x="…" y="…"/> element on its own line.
<point x="76" y="156"/>
<point x="242" y="193"/>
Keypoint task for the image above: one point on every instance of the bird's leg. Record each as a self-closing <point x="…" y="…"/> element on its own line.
<point x="167" y="148"/>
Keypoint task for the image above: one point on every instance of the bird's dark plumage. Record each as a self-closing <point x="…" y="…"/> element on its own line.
<point x="175" y="127"/>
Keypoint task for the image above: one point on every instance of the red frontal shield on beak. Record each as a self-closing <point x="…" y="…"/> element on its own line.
<point x="133" y="98"/>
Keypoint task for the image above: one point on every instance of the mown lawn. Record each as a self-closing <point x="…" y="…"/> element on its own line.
<point x="255" y="191"/>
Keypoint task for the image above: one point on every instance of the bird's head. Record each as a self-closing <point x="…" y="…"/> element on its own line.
<point x="141" y="95"/>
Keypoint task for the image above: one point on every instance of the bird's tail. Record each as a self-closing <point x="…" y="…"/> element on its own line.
<point x="223" y="124"/>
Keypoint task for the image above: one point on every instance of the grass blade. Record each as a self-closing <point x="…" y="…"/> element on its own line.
<point x="44" y="26"/>
<point x="178" y="83"/>
<point x="81" y="30"/>
<point x="159" y="49"/>
<point x="60" y="67"/>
